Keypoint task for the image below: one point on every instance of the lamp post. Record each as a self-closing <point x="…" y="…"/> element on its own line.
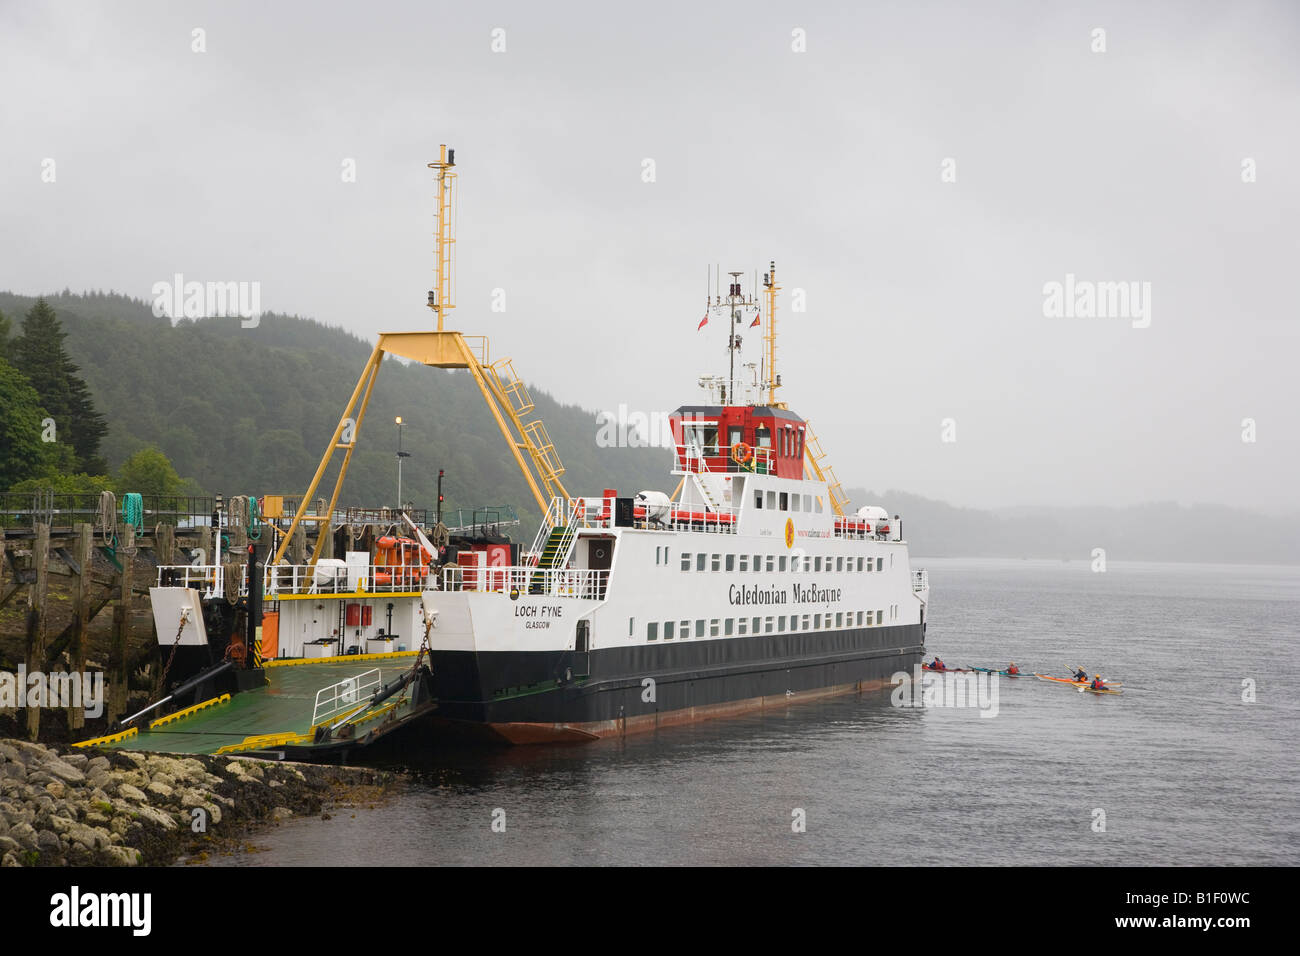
<point x="400" y="455"/>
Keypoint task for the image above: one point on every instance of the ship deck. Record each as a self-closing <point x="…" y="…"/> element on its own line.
<point x="278" y="716"/>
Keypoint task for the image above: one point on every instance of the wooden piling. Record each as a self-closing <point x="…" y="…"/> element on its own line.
<point x="36" y="624"/>
<point x="117" y="655"/>
<point x="81" y="616"/>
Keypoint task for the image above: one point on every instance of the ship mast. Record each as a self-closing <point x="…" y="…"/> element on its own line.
<point x="441" y="299"/>
<point x="733" y="340"/>
<point x="769" y="335"/>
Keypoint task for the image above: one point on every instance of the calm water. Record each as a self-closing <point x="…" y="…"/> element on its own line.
<point x="1185" y="771"/>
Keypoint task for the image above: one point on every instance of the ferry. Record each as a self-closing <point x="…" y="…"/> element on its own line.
<point x="749" y="585"/>
<point x="742" y="590"/>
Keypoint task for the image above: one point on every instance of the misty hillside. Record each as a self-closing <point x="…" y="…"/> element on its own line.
<point x="1148" y="532"/>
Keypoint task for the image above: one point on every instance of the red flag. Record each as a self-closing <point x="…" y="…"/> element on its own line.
<point x="757" y="316"/>
<point x="703" y="322"/>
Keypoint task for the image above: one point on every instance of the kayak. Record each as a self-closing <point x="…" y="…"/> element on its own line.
<point x="946" y="670"/>
<point x="990" y="670"/>
<point x="1071" y="680"/>
<point x="1101" y="690"/>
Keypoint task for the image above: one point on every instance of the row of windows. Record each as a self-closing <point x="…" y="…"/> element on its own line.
<point x="772" y="624"/>
<point x="759" y="563"/>
<point x="784" y="501"/>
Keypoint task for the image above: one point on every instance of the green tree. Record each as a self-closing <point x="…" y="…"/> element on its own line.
<point x="149" y="472"/>
<point x="6" y="328"/>
<point x="22" y="453"/>
<point x="39" y="354"/>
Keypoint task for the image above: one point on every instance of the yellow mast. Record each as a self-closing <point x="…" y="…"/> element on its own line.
<point x="441" y="299"/>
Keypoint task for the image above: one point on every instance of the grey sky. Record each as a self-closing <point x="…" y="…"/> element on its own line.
<point x="924" y="298"/>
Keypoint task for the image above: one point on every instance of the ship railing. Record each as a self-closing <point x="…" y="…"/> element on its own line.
<point x="211" y="579"/>
<point x="580" y="583"/>
<point x="861" y="529"/>
<point x="346" y="694"/>
<point x="600" y="513"/>
<point x="350" y="579"/>
<point x="921" y="580"/>
<point x="718" y="459"/>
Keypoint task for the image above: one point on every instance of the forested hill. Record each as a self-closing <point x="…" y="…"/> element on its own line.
<point x="249" y="411"/>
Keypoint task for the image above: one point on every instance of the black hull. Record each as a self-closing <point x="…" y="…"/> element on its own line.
<point x="691" y="676"/>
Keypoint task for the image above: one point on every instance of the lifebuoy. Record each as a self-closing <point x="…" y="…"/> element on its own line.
<point x="741" y="453"/>
<point x="580" y="509"/>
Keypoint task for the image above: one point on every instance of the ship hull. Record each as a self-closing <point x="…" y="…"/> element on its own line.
<point x="520" y="697"/>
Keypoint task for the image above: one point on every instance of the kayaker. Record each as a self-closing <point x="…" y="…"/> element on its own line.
<point x="1097" y="682"/>
<point x="1012" y="668"/>
<point x="1081" y="675"/>
<point x="937" y="665"/>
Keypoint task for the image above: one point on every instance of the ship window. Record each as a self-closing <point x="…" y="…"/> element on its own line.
<point x="684" y="629"/>
<point x="717" y="562"/>
<point x="758" y="563"/>
<point x="800" y="452"/>
<point x="762" y="437"/>
<point x="817" y="622"/>
<point x="859" y="565"/>
<point x="807" y="503"/>
<point x="780" y="623"/>
<point x="871" y="618"/>
<point x="699" y="561"/>
<point x="713" y="628"/>
<point x="710" y="439"/>
<point x="771" y="563"/>
<point x="859" y="619"/>
<point x="699" y="628"/>
<point x="652" y="631"/>
<point x="728" y="626"/>
<point x="758" y="625"/>
<point x="827" y="622"/>
<point x="742" y="626"/>
<point x="785" y="501"/>
<point x="771" y="500"/>
<point x="794" y="505"/>
<point x="758" y="499"/>
<point x="805" y="622"/>
<point x="780" y="563"/>
<point x="794" y="622"/>
<point x="731" y="562"/>
<point x="744" y="562"/>
<point x="880" y="563"/>
<point x="817" y="563"/>
<point x="631" y="626"/>
<point x="880" y="617"/>
<point x="839" y="564"/>
<point x="668" y="630"/>
<point x="839" y="618"/>
<point x="733" y="435"/>
<point x="768" y="623"/>
<point x="686" y="560"/>
<point x="817" y="502"/>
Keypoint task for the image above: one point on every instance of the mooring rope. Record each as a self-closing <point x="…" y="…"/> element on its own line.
<point x="107" y="516"/>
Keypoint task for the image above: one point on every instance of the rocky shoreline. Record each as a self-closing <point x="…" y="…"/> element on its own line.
<point x="65" y="807"/>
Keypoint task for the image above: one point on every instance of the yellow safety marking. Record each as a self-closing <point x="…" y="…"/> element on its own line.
<point x="188" y="710"/>
<point x="110" y="739"/>
<point x="260" y="741"/>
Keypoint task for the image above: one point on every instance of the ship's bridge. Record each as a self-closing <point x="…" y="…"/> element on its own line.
<point x="761" y="439"/>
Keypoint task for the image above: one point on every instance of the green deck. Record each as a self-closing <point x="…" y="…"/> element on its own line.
<point x="284" y="706"/>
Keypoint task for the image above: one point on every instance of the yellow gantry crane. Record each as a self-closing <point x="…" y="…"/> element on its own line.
<point x="506" y="396"/>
